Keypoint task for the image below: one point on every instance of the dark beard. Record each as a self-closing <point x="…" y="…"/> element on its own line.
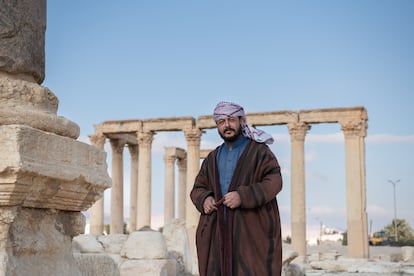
<point x="232" y="138"/>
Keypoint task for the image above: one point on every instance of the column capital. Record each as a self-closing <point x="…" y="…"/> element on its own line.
<point x="145" y="137"/>
<point x="298" y="131"/>
<point x="354" y="128"/>
<point x="193" y="136"/>
<point x="98" y="140"/>
<point x="182" y="163"/>
<point x="169" y="159"/>
<point x="133" y="150"/>
<point x="117" y="145"/>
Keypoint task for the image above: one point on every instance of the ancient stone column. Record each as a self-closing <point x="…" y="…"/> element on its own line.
<point x="182" y="189"/>
<point x="133" y="150"/>
<point x="298" y="197"/>
<point x="193" y="137"/>
<point x="355" y="132"/>
<point x="117" y="191"/>
<point x="97" y="209"/>
<point x="22" y="39"/>
<point x="144" y="179"/>
<point x="169" y="192"/>
<point x="47" y="177"/>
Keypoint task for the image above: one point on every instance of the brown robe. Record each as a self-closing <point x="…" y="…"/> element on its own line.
<point x="249" y="243"/>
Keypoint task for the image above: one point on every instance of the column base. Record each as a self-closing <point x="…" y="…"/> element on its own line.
<point x="27" y="103"/>
<point x="38" y="241"/>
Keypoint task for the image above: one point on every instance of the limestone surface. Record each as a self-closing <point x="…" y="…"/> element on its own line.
<point x="45" y="170"/>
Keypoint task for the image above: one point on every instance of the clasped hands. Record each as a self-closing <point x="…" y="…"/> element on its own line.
<point x="231" y="200"/>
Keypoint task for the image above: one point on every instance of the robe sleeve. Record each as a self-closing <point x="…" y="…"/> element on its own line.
<point x="266" y="182"/>
<point x="202" y="188"/>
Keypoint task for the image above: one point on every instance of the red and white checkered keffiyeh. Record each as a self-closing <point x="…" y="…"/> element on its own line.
<point x="228" y="109"/>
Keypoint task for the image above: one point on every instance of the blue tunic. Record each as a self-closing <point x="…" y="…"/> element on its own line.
<point x="227" y="160"/>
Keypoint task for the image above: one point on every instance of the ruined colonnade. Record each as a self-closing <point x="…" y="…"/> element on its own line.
<point x="138" y="136"/>
<point x="47" y="176"/>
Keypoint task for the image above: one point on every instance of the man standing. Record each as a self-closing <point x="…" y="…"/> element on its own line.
<point x="235" y="191"/>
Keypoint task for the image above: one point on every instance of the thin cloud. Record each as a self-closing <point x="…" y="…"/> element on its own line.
<point x="325" y="211"/>
<point x="378" y="211"/>
<point x="338" y="138"/>
<point x="281" y="138"/>
<point x="332" y="138"/>
<point x="389" y="139"/>
<point x="312" y="155"/>
<point x="164" y="139"/>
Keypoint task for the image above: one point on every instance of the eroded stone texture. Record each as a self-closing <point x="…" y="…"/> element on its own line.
<point x="46" y="176"/>
<point x="96" y="264"/>
<point x="145" y="245"/>
<point x="22" y="38"/>
<point x="27" y="103"/>
<point x="176" y="238"/>
<point x="44" y="170"/>
<point x="38" y="241"/>
<point x="164" y="267"/>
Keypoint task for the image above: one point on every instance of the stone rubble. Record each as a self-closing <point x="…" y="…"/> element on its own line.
<point x="150" y="252"/>
<point x="330" y="259"/>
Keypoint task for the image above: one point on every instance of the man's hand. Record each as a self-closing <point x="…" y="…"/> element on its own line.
<point x="209" y="205"/>
<point x="232" y="200"/>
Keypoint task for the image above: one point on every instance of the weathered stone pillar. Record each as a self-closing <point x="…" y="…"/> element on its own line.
<point x="144" y="179"/>
<point x="193" y="137"/>
<point x="355" y="132"/>
<point x="36" y="241"/>
<point x="298" y="197"/>
<point x="133" y="150"/>
<point x="117" y="191"/>
<point x="169" y="178"/>
<point x="47" y="177"/>
<point x="182" y="189"/>
<point x="97" y="209"/>
<point x="22" y="39"/>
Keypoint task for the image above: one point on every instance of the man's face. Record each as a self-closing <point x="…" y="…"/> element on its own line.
<point x="229" y="128"/>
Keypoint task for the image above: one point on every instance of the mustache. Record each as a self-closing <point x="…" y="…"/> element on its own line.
<point x="229" y="128"/>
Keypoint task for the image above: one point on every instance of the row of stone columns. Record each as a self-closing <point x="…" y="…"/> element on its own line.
<point x="171" y="155"/>
<point x="29" y="110"/>
<point x="140" y="197"/>
<point x="353" y="126"/>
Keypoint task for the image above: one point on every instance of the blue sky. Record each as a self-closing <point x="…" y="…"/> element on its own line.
<point x="110" y="60"/>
